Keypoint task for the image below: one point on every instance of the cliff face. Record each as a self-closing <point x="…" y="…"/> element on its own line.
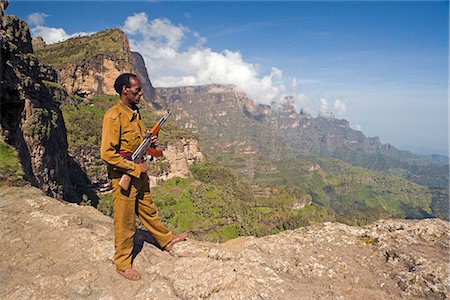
<point x="141" y="71"/>
<point x="223" y="115"/>
<point x="89" y="65"/>
<point x="390" y="259"/>
<point x="230" y="105"/>
<point x="29" y="118"/>
<point x="178" y="156"/>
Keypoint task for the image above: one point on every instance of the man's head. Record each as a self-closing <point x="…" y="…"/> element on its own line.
<point x="129" y="88"/>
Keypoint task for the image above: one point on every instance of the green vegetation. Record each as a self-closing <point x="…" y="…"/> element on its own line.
<point x="265" y="196"/>
<point x="53" y="84"/>
<point x="109" y="42"/>
<point x="440" y="203"/>
<point x="354" y="194"/>
<point x="357" y="195"/>
<point x="216" y="205"/>
<point x="84" y="121"/>
<point x="11" y="171"/>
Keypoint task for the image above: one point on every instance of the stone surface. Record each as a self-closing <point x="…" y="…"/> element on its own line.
<point x="38" y="42"/>
<point x="137" y="61"/>
<point x="51" y="249"/>
<point x="179" y="155"/>
<point x="94" y="75"/>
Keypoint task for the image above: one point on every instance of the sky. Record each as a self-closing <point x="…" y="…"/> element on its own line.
<point x="382" y="65"/>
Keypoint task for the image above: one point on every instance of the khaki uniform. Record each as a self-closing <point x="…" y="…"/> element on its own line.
<point x="123" y="130"/>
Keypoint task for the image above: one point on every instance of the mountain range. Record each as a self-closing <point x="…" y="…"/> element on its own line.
<point x="275" y="165"/>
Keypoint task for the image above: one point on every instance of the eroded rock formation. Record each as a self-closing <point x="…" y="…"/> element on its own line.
<point x="29" y="118"/>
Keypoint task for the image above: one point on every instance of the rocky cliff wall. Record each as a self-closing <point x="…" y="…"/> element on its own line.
<point x="178" y="156"/>
<point x="29" y="118"/>
<point x="89" y="65"/>
<point x="137" y="61"/>
<point x="57" y="250"/>
<point x="94" y="75"/>
<point x="223" y="115"/>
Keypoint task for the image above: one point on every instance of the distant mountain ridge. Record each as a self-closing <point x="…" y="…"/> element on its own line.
<point x="262" y="142"/>
<point x="224" y="113"/>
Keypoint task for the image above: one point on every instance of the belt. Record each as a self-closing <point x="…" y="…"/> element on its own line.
<point x="126" y="154"/>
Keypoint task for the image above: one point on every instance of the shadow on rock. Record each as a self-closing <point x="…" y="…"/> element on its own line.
<point x="140" y="237"/>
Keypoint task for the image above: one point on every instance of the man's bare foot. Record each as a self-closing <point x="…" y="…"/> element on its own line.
<point x="176" y="238"/>
<point x="130" y="274"/>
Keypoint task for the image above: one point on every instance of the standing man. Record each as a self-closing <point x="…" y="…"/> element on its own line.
<point x="123" y="131"/>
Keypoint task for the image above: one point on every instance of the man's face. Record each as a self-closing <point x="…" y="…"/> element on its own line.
<point x="134" y="92"/>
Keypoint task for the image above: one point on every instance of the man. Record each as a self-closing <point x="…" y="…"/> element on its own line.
<point x="123" y="131"/>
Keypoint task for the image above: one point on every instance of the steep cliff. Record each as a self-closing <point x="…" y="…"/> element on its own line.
<point x="86" y="70"/>
<point x="224" y="105"/>
<point x="137" y="61"/>
<point x="178" y="156"/>
<point x="29" y="118"/>
<point x="235" y="128"/>
<point x="390" y="259"/>
<point x="89" y="65"/>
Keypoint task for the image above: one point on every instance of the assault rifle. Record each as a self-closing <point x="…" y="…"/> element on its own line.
<point x="141" y="151"/>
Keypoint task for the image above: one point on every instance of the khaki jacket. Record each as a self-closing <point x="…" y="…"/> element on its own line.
<point x="123" y="130"/>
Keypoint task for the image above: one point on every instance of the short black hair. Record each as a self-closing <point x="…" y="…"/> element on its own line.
<point x="123" y="80"/>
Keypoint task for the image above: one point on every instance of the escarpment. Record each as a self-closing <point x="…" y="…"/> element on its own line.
<point x="30" y="120"/>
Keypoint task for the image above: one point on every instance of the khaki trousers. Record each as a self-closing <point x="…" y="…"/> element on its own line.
<point x="136" y="200"/>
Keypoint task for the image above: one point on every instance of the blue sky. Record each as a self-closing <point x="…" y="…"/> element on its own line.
<point x="381" y="65"/>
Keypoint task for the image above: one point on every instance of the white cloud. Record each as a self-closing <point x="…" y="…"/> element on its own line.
<point x="177" y="56"/>
<point x="340" y="107"/>
<point x="358" y="127"/>
<point x="135" y="23"/>
<point x="160" y="31"/>
<point x="50" y="35"/>
<point x="36" y="18"/>
<point x="159" y="41"/>
<point x="324" y="110"/>
<point x="53" y="35"/>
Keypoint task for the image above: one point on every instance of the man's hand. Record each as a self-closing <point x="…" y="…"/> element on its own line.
<point x="143" y="167"/>
<point x="154" y="140"/>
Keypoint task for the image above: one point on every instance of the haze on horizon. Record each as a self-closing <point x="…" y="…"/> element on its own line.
<point x="383" y="66"/>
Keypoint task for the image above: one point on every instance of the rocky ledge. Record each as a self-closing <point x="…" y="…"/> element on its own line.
<point x="52" y="249"/>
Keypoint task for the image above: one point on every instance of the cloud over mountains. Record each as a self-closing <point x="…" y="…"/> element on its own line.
<point x="161" y="43"/>
<point x="50" y="35"/>
<point x="177" y="56"/>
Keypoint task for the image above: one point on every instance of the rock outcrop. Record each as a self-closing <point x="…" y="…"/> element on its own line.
<point x="178" y="156"/>
<point x="29" y="118"/>
<point x="137" y="61"/>
<point x="52" y="249"/>
<point x="89" y="65"/>
<point x="38" y="42"/>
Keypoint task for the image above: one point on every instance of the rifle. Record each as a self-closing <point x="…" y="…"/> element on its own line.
<point x="140" y="152"/>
